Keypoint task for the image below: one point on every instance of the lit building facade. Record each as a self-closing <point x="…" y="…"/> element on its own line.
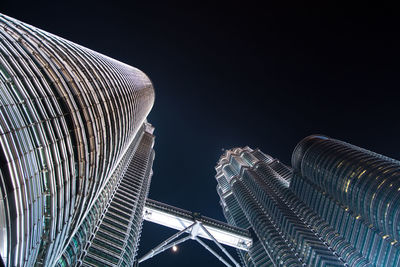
<point x="74" y="142"/>
<point x="338" y="205"/>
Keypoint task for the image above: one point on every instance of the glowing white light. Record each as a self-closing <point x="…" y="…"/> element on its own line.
<point x="174" y="248"/>
<point x="179" y="223"/>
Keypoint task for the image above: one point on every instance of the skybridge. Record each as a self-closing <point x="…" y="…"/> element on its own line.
<point x="192" y="225"/>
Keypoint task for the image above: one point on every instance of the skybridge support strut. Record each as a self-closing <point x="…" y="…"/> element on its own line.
<point x="212" y="252"/>
<point x="160" y="248"/>
<point x="197" y="227"/>
<point x="193" y="231"/>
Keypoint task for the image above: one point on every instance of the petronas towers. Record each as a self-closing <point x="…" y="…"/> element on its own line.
<point x="76" y="156"/>
<point x="76" y="151"/>
<point x="338" y="205"/>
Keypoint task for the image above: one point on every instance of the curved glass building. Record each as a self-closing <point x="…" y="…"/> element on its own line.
<point x="337" y="206"/>
<point x="72" y="129"/>
<point x="359" y="188"/>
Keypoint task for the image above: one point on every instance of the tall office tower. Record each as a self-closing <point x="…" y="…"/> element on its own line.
<point x="354" y="190"/>
<point x="110" y="237"/>
<point x="75" y="150"/>
<point x="338" y="206"/>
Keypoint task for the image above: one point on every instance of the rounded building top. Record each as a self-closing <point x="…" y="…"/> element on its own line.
<point x="303" y="146"/>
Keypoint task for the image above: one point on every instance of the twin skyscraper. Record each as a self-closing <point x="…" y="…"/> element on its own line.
<point x="338" y="205"/>
<point x="76" y="155"/>
<point x="75" y="151"/>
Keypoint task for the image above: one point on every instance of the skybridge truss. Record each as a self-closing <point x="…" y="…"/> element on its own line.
<point x="193" y="226"/>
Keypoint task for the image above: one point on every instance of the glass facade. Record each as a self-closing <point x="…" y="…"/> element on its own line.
<point x="111" y="239"/>
<point x="355" y="190"/>
<point x="338" y="206"/>
<point x="70" y="121"/>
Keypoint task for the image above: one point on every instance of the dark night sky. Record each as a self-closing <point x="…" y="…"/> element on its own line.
<point x="240" y="74"/>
